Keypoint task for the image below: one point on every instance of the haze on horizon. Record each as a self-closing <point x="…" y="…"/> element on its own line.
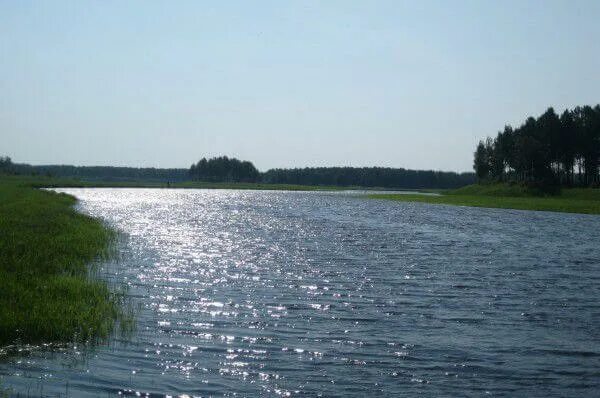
<point x="285" y="84"/>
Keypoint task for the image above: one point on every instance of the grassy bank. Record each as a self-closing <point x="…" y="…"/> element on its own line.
<point x="46" y="294"/>
<point x="571" y="200"/>
<point x="51" y="182"/>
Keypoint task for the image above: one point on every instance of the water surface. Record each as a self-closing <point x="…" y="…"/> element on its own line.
<point x="261" y="293"/>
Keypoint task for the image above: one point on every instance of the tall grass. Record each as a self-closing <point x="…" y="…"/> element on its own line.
<point x="46" y="294"/>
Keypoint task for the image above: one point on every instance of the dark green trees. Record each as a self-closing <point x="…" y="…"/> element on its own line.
<point x="482" y="162"/>
<point x="384" y="177"/>
<point x="103" y="173"/>
<point x="549" y="150"/>
<point x="224" y="169"/>
<point x="6" y="164"/>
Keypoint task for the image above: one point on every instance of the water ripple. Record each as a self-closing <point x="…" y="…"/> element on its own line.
<point x="286" y="293"/>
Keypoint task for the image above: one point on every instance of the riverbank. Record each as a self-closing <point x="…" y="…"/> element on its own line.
<point x="46" y="292"/>
<point x="570" y="200"/>
<point x="52" y="182"/>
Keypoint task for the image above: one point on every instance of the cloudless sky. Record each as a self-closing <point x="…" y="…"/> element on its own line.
<point x="285" y="83"/>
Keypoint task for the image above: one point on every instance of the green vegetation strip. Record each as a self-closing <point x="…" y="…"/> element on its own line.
<point x="53" y="182"/>
<point x="46" y="292"/>
<point x="50" y="182"/>
<point x="573" y="200"/>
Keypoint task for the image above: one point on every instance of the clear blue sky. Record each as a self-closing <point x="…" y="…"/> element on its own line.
<point x="285" y="83"/>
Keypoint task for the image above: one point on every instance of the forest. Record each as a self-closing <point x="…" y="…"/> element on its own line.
<point x="550" y="151"/>
<point x="95" y="173"/>
<point x="225" y="169"/>
<point x="383" y="177"/>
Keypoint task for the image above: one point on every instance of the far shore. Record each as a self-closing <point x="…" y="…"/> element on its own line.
<point x="505" y="196"/>
<point x="52" y="182"/>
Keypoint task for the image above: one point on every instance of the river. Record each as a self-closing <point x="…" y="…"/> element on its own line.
<point x="268" y="293"/>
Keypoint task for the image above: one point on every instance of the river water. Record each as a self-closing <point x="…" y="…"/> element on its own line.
<point x="259" y="293"/>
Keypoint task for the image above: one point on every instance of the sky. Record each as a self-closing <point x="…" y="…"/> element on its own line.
<point x="285" y="83"/>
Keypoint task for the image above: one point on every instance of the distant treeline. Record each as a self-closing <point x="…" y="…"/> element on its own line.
<point x="224" y="169"/>
<point x="369" y="177"/>
<point x="234" y="170"/>
<point x="551" y="150"/>
<point x="5" y="163"/>
<point x="105" y="173"/>
<point x="231" y="169"/>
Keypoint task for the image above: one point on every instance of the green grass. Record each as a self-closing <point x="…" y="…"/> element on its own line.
<point x="52" y="182"/>
<point x="508" y="190"/>
<point x="571" y="200"/>
<point x="46" y="292"/>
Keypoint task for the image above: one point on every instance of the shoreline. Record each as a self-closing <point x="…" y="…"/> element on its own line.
<point x="51" y="182"/>
<point x="500" y="196"/>
<point x="47" y="292"/>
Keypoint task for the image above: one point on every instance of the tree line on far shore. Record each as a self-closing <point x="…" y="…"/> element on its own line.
<point x="5" y="163"/>
<point x="384" y="177"/>
<point x="549" y="151"/>
<point x="95" y="173"/>
<point x="225" y="169"/>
